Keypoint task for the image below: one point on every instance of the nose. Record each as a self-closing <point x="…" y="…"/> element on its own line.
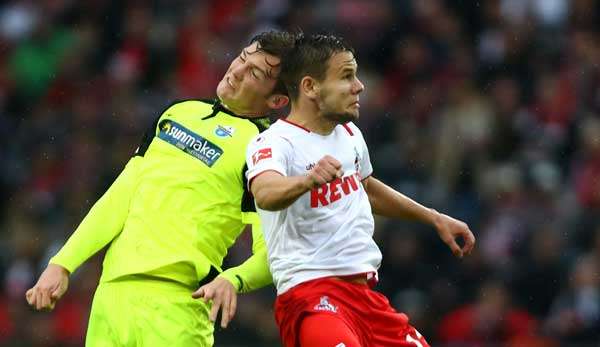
<point x="238" y="71"/>
<point x="358" y="87"/>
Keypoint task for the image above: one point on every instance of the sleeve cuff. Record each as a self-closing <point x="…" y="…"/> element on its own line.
<point x="234" y="279"/>
<point x="56" y="261"/>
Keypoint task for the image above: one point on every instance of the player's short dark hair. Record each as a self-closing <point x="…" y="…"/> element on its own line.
<point x="276" y="43"/>
<point x="310" y="57"/>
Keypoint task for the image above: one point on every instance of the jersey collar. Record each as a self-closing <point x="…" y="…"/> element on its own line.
<point x="219" y="107"/>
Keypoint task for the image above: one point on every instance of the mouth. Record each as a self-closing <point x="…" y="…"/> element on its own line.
<point x="355" y="104"/>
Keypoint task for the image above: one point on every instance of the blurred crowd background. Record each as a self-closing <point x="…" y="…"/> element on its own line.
<point x="486" y="110"/>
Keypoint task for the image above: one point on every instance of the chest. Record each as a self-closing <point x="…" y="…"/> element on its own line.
<point x="339" y="192"/>
<point x="196" y="149"/>
<point x="309" y="150"/>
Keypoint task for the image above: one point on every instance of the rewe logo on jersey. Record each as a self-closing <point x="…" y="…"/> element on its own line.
<point x="334" y="190"/>
<point x="189" y="142"/>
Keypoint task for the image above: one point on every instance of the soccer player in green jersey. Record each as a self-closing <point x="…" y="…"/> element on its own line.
<point x="172" y="213"/>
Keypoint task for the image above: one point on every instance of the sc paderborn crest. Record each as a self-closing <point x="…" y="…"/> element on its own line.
<point x="224" y="131"/>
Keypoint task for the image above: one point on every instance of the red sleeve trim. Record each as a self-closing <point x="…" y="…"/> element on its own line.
<point x="296" y="125"/>
<point x="348" y="129"/>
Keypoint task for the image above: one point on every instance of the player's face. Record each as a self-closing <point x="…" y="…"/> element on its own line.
<point x="338" y="95"/>
<point x="249" y="81"/>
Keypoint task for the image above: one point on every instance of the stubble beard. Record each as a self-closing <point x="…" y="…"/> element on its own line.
<point x="335" y="116"/>
<point x="340" y="118"/>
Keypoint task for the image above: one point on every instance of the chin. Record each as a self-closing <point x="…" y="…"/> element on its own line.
<point x="342" y="118"/>
<point x="221" y="90"/>
<point x="224" y="94"/>
<point x="349" y="117"/>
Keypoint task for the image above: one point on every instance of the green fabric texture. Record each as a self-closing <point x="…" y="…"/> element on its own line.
<point x="132" y="313"/>
<point x="177" y="207"/>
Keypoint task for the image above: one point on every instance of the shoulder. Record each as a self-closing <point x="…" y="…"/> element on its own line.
<point x="189" y="105"/>
<point x="351" y="129"/>
<point x="261" y="124"/>
<point x="275" y="136"/>
<point x="279" y="132"/>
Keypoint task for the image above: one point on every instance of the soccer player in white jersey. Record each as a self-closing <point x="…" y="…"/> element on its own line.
<point x="312" y="181"/>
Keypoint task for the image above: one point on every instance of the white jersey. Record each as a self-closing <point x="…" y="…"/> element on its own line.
<point x="329" y="230"/>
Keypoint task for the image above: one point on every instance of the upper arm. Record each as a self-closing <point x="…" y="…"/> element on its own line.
<point x="151" y="132"/>
<point x="365" y="183"/>
<point x="263" y="179"/>
<point x="266" y="155"/>
<point x="362" y="151"/>
<point x="366" y="168"/>
<point x="258" y="239"/>
<point x="147" y="139"/>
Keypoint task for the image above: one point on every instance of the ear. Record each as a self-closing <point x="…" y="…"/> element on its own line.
<point x="277" y="101"/>
<point x="309" y="87"/>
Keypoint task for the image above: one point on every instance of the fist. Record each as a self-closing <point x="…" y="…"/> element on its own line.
<point x="326" y="170"/>
<point x="50" y="287"/>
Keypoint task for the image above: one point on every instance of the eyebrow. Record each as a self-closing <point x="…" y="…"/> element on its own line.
<point x="348" y="68"/>
<point x="271" y="66"/>
<point x="349" y="64"/>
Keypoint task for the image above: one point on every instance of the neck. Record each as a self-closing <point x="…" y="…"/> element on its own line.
<point x="241" y="112"/>
<point x="309" y="117"/>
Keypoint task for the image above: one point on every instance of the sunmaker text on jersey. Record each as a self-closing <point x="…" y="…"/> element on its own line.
<point x="189" y="142"/>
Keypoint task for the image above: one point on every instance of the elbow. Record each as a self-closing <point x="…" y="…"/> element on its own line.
<point x="268" y="206"/>
<point x="264" y="203"/>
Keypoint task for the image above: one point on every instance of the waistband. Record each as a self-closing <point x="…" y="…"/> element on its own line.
<point x="366" y="278"/>
<point x="152" y="283"/>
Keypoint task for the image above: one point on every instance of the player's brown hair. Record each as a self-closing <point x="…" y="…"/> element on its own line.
<point x="310" y="57"/>
<point x="279" y="44"/>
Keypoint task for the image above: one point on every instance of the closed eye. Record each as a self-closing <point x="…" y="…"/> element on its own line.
<point x="257" y="73"/>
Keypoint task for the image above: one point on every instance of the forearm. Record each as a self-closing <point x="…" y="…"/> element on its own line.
<point x="254" y="272"/>
<point x="274" y="192"/>
<point x="250" y="275"/>
<point x="103" y="222"/>
<point x="386" y="201"/>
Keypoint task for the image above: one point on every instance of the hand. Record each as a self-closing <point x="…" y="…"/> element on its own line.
<point x="50" y="287"/>
<point x="326" y="170"/>
<point x="223" y="295"/>
<point x="449" y="229"/>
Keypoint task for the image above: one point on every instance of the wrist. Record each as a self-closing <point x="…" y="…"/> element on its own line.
<point x="434" y="217"/>
<point x="59" y="268"/>
<point x="308" y="183"/>
<point x="233" y="279"/>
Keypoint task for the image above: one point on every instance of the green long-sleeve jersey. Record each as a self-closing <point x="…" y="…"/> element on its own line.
<point x="179" y="204"/>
